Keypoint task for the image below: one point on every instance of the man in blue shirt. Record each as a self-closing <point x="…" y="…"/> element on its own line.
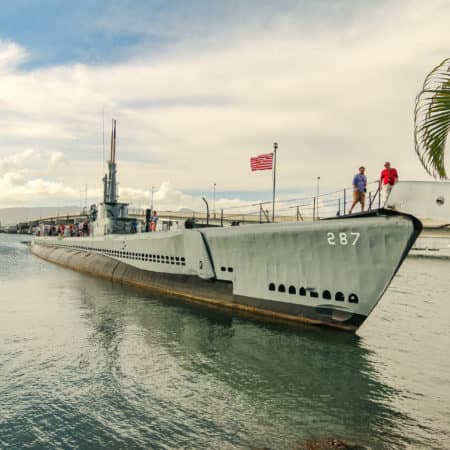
<point x="359" y="189"/>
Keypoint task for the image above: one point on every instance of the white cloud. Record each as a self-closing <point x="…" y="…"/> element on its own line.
<point x="55" y="160"/>
<point x="165" y="197"/>
<point x="17" y="160"/>
<point x="11" y="55"/>
<point x="16" y="189"/>
<point x="334" y="97"/>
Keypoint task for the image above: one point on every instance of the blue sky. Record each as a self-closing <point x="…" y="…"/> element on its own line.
<point x="97" y="32"/>
<point x="198" y="87"/>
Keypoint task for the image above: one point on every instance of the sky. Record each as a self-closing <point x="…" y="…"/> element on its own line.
<point x="199" y="87"/>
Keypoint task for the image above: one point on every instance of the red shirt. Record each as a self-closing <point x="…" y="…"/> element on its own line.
<point x="389" y="176"/>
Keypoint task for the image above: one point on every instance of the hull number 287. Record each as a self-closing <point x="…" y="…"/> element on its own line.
<point x="343" y="238"/>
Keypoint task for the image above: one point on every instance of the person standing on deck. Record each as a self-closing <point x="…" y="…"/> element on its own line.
<point x="388" y="178"/>
<point x="154" y="221"/>
<point x="359" y="189"/>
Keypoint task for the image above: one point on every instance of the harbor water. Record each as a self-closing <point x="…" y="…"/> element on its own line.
<point x="88" y="364"/>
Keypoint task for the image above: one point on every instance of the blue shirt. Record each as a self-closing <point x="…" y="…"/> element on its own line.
<point x="360" y="182"/>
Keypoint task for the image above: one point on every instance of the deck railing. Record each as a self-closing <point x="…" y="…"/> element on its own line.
<point x="309" y="208"/>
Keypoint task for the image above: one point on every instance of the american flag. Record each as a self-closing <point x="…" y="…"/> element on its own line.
<point x="261" y="162"/>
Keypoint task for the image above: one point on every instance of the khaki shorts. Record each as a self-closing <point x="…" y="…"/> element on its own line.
<point x="359" y="196"/>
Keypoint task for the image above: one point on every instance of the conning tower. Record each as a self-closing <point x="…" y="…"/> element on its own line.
<point x="113" y="215"/>
<point x="110" y="181"/>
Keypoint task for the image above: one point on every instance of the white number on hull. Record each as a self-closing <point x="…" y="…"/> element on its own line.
<point x="343" y="238"/>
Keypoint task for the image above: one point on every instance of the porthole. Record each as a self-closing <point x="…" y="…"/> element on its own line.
<point x="292" y="290"/>
<point x="230" y="269"/>
<point x="281" y="288"/>
<point x="223" y="269"/>
<point x="353" y="298"/>
<point x="339" y="297"/>
<point x="271" y="286"/>
<point x="313" y="293"/>
<point x="302" y="291"/>
<point x="326" y="295"/>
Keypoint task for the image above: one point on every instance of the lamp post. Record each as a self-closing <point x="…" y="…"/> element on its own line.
<point x="317" y="203"/>
<point x="151" y="206"/>
<point x="214" y="201"/>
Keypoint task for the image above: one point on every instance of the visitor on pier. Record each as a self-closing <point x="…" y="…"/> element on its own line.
<point x="154" y="221"/>
<point x="85" y="228"/>
<point x="388" y="178"/>
<point x="359" y="189"/>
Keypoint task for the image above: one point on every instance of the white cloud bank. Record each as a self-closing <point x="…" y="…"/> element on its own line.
<point x="334" y="95"/>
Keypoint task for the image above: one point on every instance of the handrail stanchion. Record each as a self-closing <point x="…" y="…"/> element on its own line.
<point x="370" y="201"/>
<point x="374" y="198"/>
<point x="314" y="208"/>
<point x="379" y="195"/>
<point x="221" y="217"/>
<point x="345" y="201"/>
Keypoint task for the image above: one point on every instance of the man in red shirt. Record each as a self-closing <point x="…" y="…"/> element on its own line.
<point x="388" y="178"/>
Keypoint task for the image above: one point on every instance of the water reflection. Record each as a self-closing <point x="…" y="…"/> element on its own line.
<point x="87" y="364"/>
<point x="246" y="382"/>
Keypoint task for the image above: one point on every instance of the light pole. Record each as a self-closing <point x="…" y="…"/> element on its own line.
<point x="317" y="203"/>
<point x="85" y="198"/>
<point x="214" y="201"/>
<point x="151" y="206"/>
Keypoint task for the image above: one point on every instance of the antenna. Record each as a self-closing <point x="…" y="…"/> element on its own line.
<point x="103" y="138"/>
<point x="112" y="141"/>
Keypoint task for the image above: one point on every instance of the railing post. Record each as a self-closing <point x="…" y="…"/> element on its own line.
<point x="298" y="214"/>
<point x="221" y="217"/>
<point x="314" y="208"/>
<point x="379" y="195"/>
<point x="370" y="201"/>
<point x="260" y="213"/>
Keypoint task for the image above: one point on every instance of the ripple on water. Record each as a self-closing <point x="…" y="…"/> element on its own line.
<point x="87" y="364"/>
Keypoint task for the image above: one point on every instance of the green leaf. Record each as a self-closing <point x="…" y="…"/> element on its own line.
<point x="432" y="120"/>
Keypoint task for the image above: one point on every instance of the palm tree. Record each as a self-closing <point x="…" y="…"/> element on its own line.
<point x="432" y="120"/>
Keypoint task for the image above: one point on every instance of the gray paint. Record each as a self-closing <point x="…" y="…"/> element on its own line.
<point x="354" y="256"/>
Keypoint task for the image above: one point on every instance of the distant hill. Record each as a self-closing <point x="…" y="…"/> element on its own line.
<point x="12" y="216"/>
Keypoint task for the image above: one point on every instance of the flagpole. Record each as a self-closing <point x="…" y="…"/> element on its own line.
<point x="275" y="146"/>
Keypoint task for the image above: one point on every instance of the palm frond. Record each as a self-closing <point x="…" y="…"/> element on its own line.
<point x="432" y="120"/>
